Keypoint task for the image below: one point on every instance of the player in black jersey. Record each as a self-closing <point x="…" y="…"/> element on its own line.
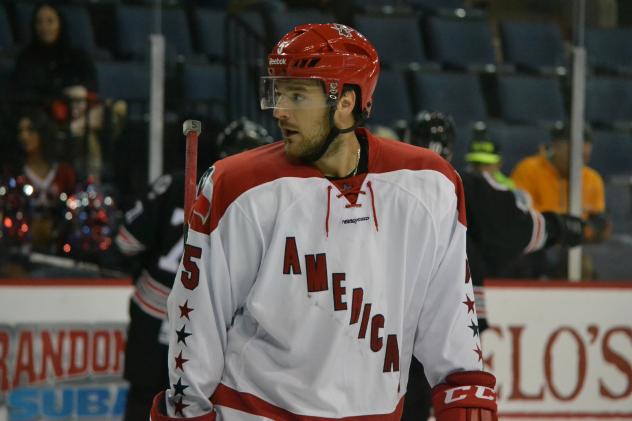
<point x="152" y="238"/>
<point x="501" y="225"/>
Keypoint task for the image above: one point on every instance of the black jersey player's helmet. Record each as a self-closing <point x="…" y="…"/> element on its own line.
<point x="240" y="135"/>
<point x="433" y="130"/>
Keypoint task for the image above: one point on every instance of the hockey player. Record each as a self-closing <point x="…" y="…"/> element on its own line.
<point x="315" y="268"/>
<point x="502" y="225"/>
<point x="152" y="238"/>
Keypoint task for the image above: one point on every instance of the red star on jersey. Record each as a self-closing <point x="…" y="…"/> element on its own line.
<point x="180" y="361"/>
<point x="469" y="303"/>
<point x="185" y="310"/>
<point x="179" y="406"/>
<point x="478" y="352"/>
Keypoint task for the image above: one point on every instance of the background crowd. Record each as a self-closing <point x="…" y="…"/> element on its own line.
<point x="74" y="94"/>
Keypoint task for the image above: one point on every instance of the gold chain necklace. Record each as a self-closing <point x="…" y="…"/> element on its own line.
<point x="355" y="171"/>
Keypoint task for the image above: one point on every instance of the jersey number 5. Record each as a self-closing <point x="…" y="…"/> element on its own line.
<point x="190" y="275"/>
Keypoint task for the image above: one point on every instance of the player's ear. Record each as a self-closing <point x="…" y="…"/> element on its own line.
<point x="347" y="102"/>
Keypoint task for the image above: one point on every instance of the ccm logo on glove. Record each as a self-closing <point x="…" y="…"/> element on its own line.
<point x="463" y="392"/>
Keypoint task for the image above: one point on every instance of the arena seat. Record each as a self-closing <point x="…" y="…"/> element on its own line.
<point x="530" y="99"/>
<point x="457" y="94"/>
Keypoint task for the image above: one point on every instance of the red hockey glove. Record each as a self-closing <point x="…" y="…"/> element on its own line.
<point x="159" y="412"/>
<point x="466" y="396"/>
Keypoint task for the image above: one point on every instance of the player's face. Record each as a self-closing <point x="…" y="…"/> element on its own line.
<point x="302" y="114"/>
<point x="47" y="25"/>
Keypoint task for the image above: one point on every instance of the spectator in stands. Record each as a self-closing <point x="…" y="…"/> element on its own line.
<point x="48" y="177"/>
<point x="51" y="72"/>
<point x="85" y="120"/>
<point x="545" y="177"/>
<point x="49" y="63"/>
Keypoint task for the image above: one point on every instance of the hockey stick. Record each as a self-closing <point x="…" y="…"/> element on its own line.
<point x="191" y="129"/>
<point x="68" y="263"/>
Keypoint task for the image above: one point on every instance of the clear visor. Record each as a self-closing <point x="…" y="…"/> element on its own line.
<point x="291" y="93"/>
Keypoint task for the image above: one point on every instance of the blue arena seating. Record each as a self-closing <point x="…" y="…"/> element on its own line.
<point x="375" y="5"/>
<point x="216" y="4"/>
<point x="457" y="94"/>
<point x="397" y="39"/>
<point x="209" y="25"/>
<point x="254" y="20"/>
<point x="612" y="153"/>
<point x="609" y="49"/>
<point x="80" y="30"/>
<point x="436" y="5"/>
<point x="246" y="38"/>
<point x="462" y="43"/>
<point x="619" y="207"/>
<point x="6" y="69"/>
<point x="204" y="90"/>
<point x="175" y="27"/>
<point x="23" y="12"/>
<point x="282" y="23"/>
<point x="6" y="38"/>
<point x="530" y="99"/>
<point x="533" y="46"/>
<point x="391" y="100"/>
<point x="125" y="80"/>
<point x="609" y="101"/>
<point x="135" y="24"/>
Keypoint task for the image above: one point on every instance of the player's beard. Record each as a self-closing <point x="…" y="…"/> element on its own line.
<point x="310" y="145"/>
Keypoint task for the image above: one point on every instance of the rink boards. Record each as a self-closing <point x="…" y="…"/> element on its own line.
<point x="559" y="350"/>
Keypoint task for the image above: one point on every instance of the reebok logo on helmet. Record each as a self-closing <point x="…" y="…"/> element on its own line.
<point x="276" y="61"/>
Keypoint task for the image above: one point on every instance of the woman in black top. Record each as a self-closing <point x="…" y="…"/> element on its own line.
<point x="49" y="63"/>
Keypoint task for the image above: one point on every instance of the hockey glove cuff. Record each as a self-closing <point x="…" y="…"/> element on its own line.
<point x="466" y="396"/>
<point x="565" y="230"/>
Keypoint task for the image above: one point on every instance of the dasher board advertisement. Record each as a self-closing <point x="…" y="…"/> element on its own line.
<point x="560" y="349"/>
<point x="62" y="346"/>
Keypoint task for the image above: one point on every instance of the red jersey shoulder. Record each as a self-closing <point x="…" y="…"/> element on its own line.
<point x="236" y="174"/>
<point x="240" y="172"/>
<point x="393" y="155"/>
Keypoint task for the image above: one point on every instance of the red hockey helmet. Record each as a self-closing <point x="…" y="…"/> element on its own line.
<point x="333" y="53"/>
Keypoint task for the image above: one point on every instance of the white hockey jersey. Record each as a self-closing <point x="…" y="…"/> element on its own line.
<point x="299" y="298"/>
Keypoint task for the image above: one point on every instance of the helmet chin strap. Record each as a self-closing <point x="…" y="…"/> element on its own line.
<point x="333" y="132"/>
